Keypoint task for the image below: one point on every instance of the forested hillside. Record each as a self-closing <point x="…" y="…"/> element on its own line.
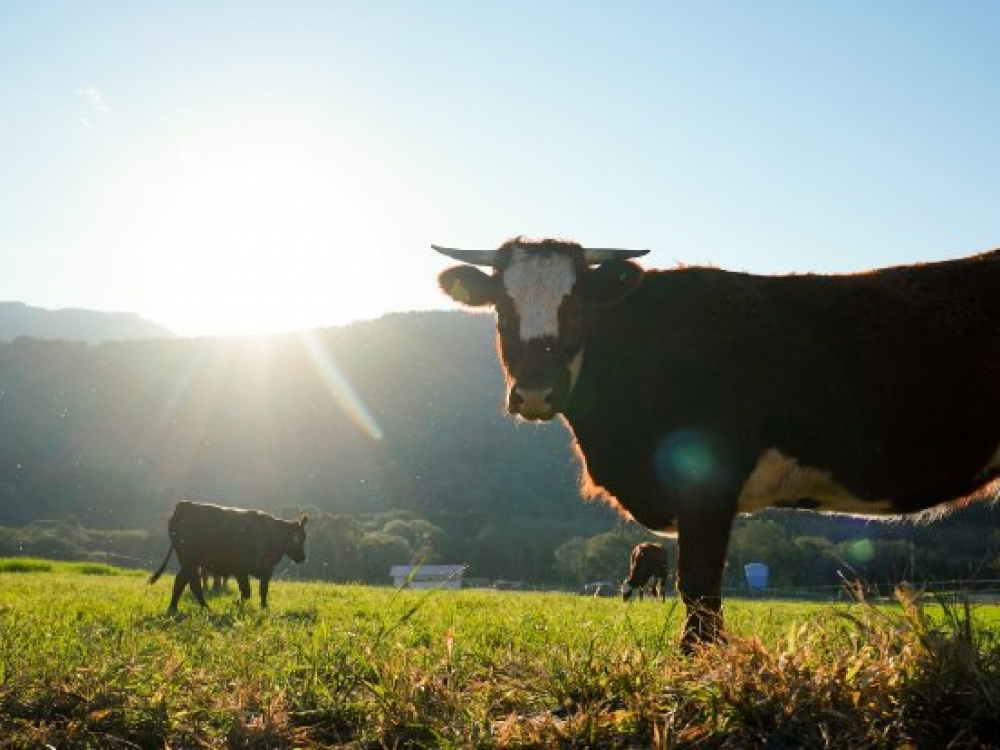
<point x="391" y="434"/>
<point x="397" y="416"/>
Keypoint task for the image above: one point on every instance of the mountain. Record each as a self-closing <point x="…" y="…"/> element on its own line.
<point x="393" y="425"/>
<point x="18" y="319"/>
<point x="401" y="413"/>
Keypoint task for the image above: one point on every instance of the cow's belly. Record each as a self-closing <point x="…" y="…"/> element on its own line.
<point x="212" y="556"/>
<point x="782" y="482"/>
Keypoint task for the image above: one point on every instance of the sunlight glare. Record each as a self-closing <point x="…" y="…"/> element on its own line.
<point x="257" y="246"/>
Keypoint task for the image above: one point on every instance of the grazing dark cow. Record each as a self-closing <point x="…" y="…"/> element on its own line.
<point x="649" y="565"/>
<point x="696" y="393"/>
<point x="228" y="542"/>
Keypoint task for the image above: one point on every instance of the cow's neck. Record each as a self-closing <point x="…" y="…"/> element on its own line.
<point x="603" y="431"/>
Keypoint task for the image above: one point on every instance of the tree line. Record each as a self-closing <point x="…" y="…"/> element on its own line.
<point x="800" y="549"/>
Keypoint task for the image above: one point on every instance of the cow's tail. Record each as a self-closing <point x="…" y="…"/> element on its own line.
<point x="155" y="577"/>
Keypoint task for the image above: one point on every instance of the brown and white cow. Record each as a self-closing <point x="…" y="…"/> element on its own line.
<point x="697" y="393"/>
<point x="649" y="565"/>
<point x="228" y="542"/>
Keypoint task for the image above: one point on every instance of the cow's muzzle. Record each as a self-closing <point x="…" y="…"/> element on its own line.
<point x="532" y="403"/>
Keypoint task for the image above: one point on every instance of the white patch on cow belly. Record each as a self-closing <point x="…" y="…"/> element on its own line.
<point x="537" y="285"/>
<point x="779" y="481"/>
<point x="667" y="532"/>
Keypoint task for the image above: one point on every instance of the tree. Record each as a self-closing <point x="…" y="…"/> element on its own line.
<point x="379" y="552"/>
<point x="424" y="538"/>
<point x="571" y="560"/>
<point x="608" y="555"/>
<point x="494" y="554"/>
<point x="818" y="562"/>
<point x="333" y="546"/>
<point x="763" y="541"/>
<point x="600" y="557"/>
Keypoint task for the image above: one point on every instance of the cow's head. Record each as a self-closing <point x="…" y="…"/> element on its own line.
<point x="627" y="590"/>
<point x="296" y="548"/>
<point x="542" y="292"/>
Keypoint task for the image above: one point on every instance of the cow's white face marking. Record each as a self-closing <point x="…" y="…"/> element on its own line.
<point x="779" y="481"/>
<point x="537" y="285"/>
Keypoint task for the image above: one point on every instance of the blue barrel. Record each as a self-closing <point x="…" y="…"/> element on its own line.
<point x="756" y="574"/>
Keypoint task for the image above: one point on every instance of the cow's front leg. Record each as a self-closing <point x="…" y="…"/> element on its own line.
<point x="194" y="577"/>
<point x="702" y="539"/>
<point x="265" y="582"/>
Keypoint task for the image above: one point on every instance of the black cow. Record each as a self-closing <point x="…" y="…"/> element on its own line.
<point x="649" y="565"/>
<point x="229" y="542"/>
<point x="698" y="393"/>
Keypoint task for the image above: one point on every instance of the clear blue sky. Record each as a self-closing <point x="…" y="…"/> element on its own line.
<point x="240" y="166"/>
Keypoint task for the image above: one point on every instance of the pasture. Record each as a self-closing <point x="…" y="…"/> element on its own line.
<point x="89" y="659"/>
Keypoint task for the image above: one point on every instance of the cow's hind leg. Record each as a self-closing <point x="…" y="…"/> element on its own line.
<point x="180" y="582"/>
<point x="265" y="583"/>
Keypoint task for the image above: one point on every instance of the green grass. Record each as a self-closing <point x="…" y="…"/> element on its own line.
<point x="32" y="565"/>
<point x="24" y="565"/>
<point x="93" y="661"/>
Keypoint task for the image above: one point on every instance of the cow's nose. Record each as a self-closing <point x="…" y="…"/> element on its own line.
<point x="531" y="403"/>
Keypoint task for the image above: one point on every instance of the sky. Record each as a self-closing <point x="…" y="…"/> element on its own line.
<point x="249" y="167"/>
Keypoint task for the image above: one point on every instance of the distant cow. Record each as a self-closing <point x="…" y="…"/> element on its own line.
<point x="229" y="542"/>
<point x="697" y="393"/>
<point x="648" y="566"/>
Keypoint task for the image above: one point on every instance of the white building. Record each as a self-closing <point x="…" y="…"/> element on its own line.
<point x="427" y="576"/>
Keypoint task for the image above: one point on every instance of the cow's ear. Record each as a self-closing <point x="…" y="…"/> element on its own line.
<point x="611" y="282"/>
<point x="468" y="285"/>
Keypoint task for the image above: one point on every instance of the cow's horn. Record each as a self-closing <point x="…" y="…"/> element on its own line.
<point x="475" y="257"/>
<point x="602" y="254"/>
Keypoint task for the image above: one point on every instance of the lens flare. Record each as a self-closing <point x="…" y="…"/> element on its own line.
<point x="684" y="459"/>
<point x="340" y="388"/>
<point x="859" y="551"/>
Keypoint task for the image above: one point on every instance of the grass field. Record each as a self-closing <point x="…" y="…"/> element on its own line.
<point x="89" y="659"/>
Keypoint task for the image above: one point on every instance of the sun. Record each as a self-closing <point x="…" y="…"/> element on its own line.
<point x="256" y="245"/>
